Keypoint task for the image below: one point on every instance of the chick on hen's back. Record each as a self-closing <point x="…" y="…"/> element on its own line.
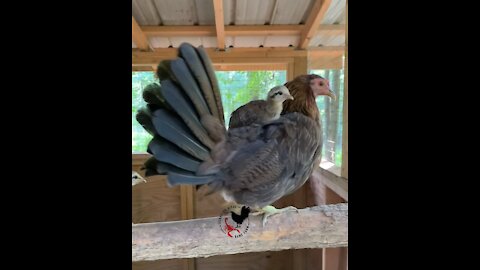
<point x="261" y="111"/>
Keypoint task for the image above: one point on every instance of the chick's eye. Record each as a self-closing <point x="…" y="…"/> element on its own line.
<point x="280" y="93"/>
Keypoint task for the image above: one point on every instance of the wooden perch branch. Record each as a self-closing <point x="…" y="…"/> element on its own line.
<point x="317" y="227"/>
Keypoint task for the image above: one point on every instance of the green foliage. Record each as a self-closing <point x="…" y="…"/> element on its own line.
<point x="240" y="87"/>
<point x="335" y="110"/>
<point x="237" y="88"/>
<point x="140" y="137"/>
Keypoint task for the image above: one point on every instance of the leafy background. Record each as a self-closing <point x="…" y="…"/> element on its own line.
<point x="240" y="87"/>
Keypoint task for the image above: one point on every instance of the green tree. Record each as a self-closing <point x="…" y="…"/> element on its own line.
<point x="140" y="137"/>
<point x="236" y="88"/>
<point x="331" y="113"/>
<point x="240" y="87"/>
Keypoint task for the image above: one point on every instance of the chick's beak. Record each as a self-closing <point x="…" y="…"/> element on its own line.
<point x="289" y="96"/>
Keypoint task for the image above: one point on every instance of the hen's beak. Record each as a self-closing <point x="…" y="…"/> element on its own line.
<point x="332" y="95"/>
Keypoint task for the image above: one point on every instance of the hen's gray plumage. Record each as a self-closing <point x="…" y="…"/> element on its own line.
<point x="254" y="165"/>
<point x="271" y="161"/>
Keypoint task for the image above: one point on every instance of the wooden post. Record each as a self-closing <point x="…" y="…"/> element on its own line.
<point x="188" y="212"/>
<point x="139" y="37"/>
<point x="300" y="67"/>
<point x="334" y="258"/>
<point x="290" y="71"/>
<point x="345" y="104"/>
<point x="219" y="23"/>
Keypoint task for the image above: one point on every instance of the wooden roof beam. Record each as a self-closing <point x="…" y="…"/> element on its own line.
<point x="315" y="17"/>
<point x="179" y="30"/>
<point x="151" y="58"/>
<point x="139" y="37"/>
<point x="320" y="57"/>
<point x="236" y="30"/>
<point x="219" y="23"/>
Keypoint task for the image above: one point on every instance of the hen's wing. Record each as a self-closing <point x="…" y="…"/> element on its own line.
<point x="270" y="161"/>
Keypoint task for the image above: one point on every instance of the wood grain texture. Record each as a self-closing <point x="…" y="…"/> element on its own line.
<point x="326" y="61"/>
<point x="313" y="21"/>
<point x="333" y="258"/>
<point x="138" y="36"/>
<point x="273" y="260"/>
<point x="154" y="201"/>
<point x="313" y="259"/>
<point x="317" y="227"/>
<point x="236" y="30"/>
<point x="208" y="206"/>
<point x="188" y="212"/>
<point x="219" y="23"/>
<point x="212" y="206"/>
<point x="172" y="264"/>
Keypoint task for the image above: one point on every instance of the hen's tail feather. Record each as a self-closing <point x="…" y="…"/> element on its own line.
<point x="216" y="131"/>
<point x="152" y="95"/>
<point x="150" y="167"/>
<point x="175" y="178"/>
<point x="189" y="86"/>
<point x="164" y="72"/>
<point x="169" y="153"/>
<point x="197" y="68"/>
<point x="186" y="113"/>
<point x="144" y="117"/>
<point x="154" y="167"/>
<point x="208" y="66"/>
<point x="170" y="127"/>
<point x="184" y="108"/>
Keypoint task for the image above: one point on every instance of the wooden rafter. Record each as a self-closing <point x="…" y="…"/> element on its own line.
<point x="236" y="30"/>
<point x="179" y="30"/>
<point x="336" y="29"/>
<point x="219" y="23"/>
<point x="170" y="53"/>
<point x="139" y="37"/>
<point x="327" y="57"/>
<point x="313" y="22"/>
<point x="326" y="49"/>
<point x="249" y="67"/>
<point x="230" y="30"/>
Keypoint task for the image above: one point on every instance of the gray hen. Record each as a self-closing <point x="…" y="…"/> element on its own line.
<point x="253" y="165"/>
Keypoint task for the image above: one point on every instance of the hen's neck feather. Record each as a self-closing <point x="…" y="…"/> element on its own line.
<point x="304" y="99"/>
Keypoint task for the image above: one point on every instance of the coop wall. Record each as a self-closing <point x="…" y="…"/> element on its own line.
<point x="154" y="201"/>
